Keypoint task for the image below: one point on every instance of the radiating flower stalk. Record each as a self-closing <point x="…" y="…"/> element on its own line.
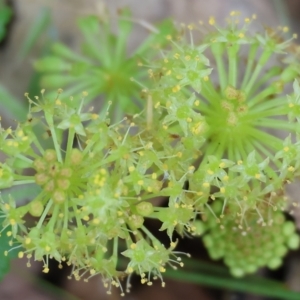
<point x="208" y="121"/>
<point x="103" y="65"/>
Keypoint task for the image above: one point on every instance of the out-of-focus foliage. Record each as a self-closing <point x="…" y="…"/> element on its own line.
<point x="5" y="16"/>
<point x="103" y="66"/>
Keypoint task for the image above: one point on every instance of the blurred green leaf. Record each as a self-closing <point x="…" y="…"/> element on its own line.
<point x="38" y="26"/>
<point x="10" y="106"/>
<point x="57" y="292"/>
<point x="218" y="277"/>
<point x="5" y="15"/>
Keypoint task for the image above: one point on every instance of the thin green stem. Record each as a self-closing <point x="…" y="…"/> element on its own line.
<point x="249" y="146"/>
<point x="230" y="152"/>
<point x="265" y="152"/>
<point x="150" y="197"/>
<point x="237" y="150"/>
<point x="38" y="145"/>
<point x="217" y="50"/>
<point x="212" y="112"/>
<point x="15" y="183"/>
<point x="53" y="219"/>
<point x="66" y="213"/>
<point x="209" y="92"/>
<point x="264" y="137"/>
<point x="49" y="119"/>
<point x="274" y="103"/>
<point x="249" y="68"/>
<point x="263" y="95"/>
<point x="24" y="158"/>
<point x="259" y="67"/>
<point x="210" y="149"/>
<point x="240" y="147"/>
<point x="221" y="71"/>
<point x="149" y="112"/>
<point x="70" y="142"/>
<point x="115" y="250"/>
<point x="271" y="74"/>
<point x="221" y="146"/>
<point x="45" y="212"/>
<point x="78" y="220"/>
<point x="149" y="234"/>
<point x="265" y="114"/>
<point x="276" y="124"/>
<point x="232" y="67"/>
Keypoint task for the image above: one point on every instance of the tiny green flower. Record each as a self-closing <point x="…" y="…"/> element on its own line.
<point x="6" y="176"/>
<point x="149" y="259"/>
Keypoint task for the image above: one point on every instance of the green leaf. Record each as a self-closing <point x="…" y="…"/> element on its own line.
<point x="52" y="290"/>
<point x="10" y="106"/>
<point x="5" y="16"/>
<point x="211" y="275"/>
<point x="38" y="26"/>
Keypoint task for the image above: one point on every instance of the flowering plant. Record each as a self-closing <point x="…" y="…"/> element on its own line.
<point x="103" y="66"/>
<point x="239" y="185"/>
<point x="205" y="122"/>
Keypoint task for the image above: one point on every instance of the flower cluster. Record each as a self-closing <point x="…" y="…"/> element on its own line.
<point x="255" y="244"/>
<point x="96" y="182"/>
<point x="231" y="89"/>
<point x="204" y="141"/>
<point x="103" y="66"/>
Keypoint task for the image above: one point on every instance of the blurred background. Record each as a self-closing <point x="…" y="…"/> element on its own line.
<point x="30" y="29"/>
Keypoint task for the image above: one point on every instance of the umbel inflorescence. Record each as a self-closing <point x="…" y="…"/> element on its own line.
<point x="96" y="181"/>
<point x="206" y="121"/>
<point x="231" y="89"/>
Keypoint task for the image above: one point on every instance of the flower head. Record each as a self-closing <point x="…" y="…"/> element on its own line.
<point x="238" y="98"/>
<point x="103" y="66"/>
<point x="95" y="182"/>
<point x="204" y="141"/>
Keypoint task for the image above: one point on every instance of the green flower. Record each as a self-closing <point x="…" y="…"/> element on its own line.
<point x="207" y="145"/>
<point x="92" y="199"/>
<point x="6" y="177"/>
<point x="235" y="100"/>
<point x="147" y="259"/>
<point x="103" y="66"/>
<point x="245" y="248"/>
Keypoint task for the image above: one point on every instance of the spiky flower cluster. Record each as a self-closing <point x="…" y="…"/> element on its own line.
<point x="97" y="182"/>
<point x="231" y="89"/>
